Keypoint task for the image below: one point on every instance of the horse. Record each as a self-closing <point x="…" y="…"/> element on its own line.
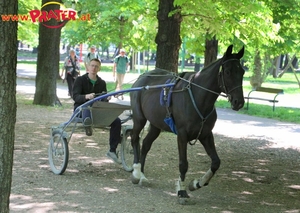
<point x="189" y="108"/>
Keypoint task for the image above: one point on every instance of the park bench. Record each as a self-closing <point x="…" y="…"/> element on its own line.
<point x="274" y="91"/>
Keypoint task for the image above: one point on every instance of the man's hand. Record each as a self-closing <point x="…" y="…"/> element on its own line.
<point x="90" y="96"/>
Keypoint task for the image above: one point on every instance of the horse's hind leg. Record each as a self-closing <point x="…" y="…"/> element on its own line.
<point x="138" y="125"/>
<point x="183" y="168"/>
<point x="138" y="172"/>
<point x="210" y="149"/>
<point x="147" y="143"/>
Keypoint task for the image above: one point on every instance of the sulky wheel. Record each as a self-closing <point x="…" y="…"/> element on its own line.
<point x="58" y="152"/>
<point x="127" y="151"/>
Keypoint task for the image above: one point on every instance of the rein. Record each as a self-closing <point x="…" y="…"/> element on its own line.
<point x="188" y="87"/>
<point x="196" y="85"/>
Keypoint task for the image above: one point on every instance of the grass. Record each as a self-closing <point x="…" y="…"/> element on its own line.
<point x="287" y="82"/>
<point x="285" y="114"/>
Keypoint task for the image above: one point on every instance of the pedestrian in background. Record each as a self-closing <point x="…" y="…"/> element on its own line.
<point x="70" y="70"/>
<point x="121" y="63"/>
<point x="92" y="54"/>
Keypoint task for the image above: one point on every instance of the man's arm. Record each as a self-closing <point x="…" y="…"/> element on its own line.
<point x="64" y="70"/>
<point x="78" y="92"/>
<point x="114" y="69"/>
<point x="127" y="64"/>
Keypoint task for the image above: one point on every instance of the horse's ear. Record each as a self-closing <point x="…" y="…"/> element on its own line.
<point x="241" y="53"/>
<point x="229" y="50"/>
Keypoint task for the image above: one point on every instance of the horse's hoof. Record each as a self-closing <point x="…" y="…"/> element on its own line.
<point x="183" y="198"/>
<point x="182" y="201"/>
<point x="135" y="180"/>
<point x="185" y="201"/>
<point x="182" y="194"/>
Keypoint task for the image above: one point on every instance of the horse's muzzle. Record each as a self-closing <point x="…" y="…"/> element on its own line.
<point x="237" y="103"/>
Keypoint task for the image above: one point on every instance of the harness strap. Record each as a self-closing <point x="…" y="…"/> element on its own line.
<point x="198" y="111"/>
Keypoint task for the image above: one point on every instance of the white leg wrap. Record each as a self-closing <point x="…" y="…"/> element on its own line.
<point x="137" y="171"/>
<point x="206" y="178"/>
<point x="196" y="184"/>
<point x="179" y="185"/>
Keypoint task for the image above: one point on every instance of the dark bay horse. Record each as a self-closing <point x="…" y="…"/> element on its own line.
<point x="190" y="105"/>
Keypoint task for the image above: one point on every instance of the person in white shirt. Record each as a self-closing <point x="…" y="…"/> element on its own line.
<point x="92" y="54"/>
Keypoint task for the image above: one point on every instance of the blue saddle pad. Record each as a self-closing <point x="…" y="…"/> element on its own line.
<point x="170" y="122"/>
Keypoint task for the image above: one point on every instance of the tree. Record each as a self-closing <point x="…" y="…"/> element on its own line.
<point x="256" y="78"/>
<point x="211" y="51"/>
<point x="122" y="23"/>
<point x="8" y="63"/>
<point x="47" y="59"/>
<point x="168" y="35"/>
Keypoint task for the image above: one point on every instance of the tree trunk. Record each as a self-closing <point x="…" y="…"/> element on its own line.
<point x="288" y="65"/>
<point x="256" y="78"/>
<point x="47" y="60"/>
<point x="276" y="66"/>
<point x="211" y="51"/>
<point x="8" y="106"/>
<point x="168" y="36"/>
<point x="197" y="64"/>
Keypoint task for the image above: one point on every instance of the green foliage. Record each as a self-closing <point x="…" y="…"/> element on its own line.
<point x="248" y="22"/>
<point x="28" y="31"/>
<point x="270" y="26"/>
<point x="123" y="23"/>
<point x="111" y="86"/>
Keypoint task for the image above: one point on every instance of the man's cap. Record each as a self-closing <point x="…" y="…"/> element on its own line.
<point x="122" y="51"/>
<point x="93" y="46"/>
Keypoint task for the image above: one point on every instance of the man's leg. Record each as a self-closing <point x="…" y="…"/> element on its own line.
<point x="87" y="122"/>
<point x="72" y="81"/>
<point x="115" y="134"/>
<point x="120" y="80"/>
<point x="114" y="139"/>
<point x="70" y="84"/>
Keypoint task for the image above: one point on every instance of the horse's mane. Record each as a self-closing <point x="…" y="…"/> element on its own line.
<point x="157" y="71"/>
<point x="211" y="65"/>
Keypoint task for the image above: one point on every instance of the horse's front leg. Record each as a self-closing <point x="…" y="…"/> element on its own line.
<point x="210" y="149"/>
<point x="183" y="168"/>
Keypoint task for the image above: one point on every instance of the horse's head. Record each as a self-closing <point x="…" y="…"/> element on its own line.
<point x="231" y="78"/>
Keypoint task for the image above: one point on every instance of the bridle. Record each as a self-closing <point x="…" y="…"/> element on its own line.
<point x="221" y="80"/>
<point x="222" y="85"/>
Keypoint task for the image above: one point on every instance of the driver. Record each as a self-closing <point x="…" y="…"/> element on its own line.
<point x="85" y="88"/>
